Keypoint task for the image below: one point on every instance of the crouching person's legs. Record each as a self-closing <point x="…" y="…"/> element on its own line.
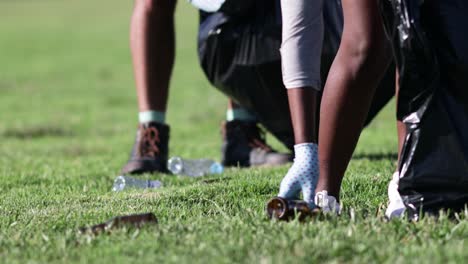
<point x="300" y="53"/>
<point x="359" y="65"/>
<point x="244" y="142"/>
<point x="152" y="44"/>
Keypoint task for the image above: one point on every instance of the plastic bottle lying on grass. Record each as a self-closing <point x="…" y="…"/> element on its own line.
<point x="194" y="167"/>
<point x="125" y="182"/>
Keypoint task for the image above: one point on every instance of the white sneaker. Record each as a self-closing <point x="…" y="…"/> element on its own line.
<point x="396" y="207"/>
<point x="327" y="203"/>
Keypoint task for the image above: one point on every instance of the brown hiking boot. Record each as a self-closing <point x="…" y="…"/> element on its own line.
<point x="149" y="153"/>
<point x="244" y="145"/>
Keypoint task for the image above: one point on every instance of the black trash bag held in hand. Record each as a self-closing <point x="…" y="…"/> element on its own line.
<point x="431" y="49"/>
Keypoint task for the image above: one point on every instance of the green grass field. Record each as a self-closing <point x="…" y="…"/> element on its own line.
<point x="67" y="122"/>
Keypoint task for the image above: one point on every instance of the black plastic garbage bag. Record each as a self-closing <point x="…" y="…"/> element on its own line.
<point x="240" y="56"/>
<point x="431" y="48"/>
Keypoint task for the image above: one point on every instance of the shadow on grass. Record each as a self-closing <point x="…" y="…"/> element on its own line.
<point x="376" y="156"/>
<point x="4" y="86"/>
<point x="216" y="180"/>
<point x="36" y="132"/>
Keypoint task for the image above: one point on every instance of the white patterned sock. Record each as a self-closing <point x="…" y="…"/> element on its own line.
<point x="303" y="174"/>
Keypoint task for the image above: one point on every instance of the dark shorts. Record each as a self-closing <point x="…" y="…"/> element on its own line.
<point x="240" y="57"/>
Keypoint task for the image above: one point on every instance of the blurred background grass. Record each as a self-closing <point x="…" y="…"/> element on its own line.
<point x="67" y="66"/>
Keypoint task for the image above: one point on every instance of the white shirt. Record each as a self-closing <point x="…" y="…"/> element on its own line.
<point x="207" y="5"/>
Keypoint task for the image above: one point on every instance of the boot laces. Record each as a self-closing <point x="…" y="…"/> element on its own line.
<point x="149" y="142"/>
<point x="257" y="138"/>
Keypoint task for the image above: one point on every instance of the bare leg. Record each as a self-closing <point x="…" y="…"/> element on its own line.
<point x="303" y="108"/>
<point x="152" y="43"/>
<point x="359" y="65"/>
<point x="401" y="128"/>
<point x="396" y="206"/>
<point x="232" y="105"/>
<point x="300" y="53"/>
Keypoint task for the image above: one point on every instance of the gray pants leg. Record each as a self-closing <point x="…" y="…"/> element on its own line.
<point x="301" y="46"/>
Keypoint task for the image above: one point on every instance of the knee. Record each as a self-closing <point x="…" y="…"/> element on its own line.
<point x="165" y="7"/>
<point x="369" y="51"/>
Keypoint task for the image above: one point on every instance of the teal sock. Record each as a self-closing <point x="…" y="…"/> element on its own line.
<point x="152" y="116"/>
<point x="241" y="114"/>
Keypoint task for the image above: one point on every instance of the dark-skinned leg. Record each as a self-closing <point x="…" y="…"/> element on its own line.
<point x="232" y="104"/>
<point x="401" y="127"/>
<point x="300" y="53"/>
<point x="303" y="109"/>
<point x="303" y="173"/>
<point x="358" y="67"/>
<point x="396" y="206"/>
<point x="152" y="43"/>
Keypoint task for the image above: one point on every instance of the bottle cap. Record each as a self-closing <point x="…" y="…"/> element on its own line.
<point x="216" y="168"/>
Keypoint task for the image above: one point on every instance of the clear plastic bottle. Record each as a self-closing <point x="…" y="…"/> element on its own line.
<point x="194" y="167"/>
<point x="125" y="182"/>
